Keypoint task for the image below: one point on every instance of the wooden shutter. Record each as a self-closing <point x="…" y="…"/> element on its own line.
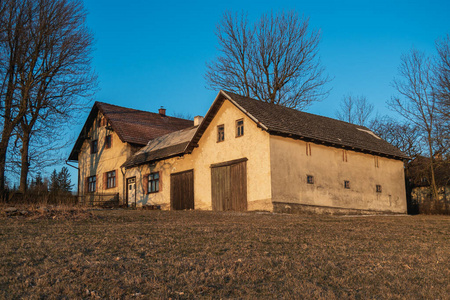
<point x="105" y="180"/>
<point x="145" y="183"/>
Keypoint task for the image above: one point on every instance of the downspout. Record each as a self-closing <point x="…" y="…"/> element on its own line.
<point x="124" y="185"/>
<point x="78" y="179"/>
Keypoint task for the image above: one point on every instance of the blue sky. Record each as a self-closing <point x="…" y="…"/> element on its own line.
<point x="153" y="53"/>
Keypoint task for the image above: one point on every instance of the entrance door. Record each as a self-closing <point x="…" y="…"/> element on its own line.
<point x="182" y="190"/>
<point x="131" y="192"/>
<point x="229" y="185"/>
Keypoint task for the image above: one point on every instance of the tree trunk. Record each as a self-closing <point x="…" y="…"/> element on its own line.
<point x="434" y="191"/>
<point x="24" y="163"/>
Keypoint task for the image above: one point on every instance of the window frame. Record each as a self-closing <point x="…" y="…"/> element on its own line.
<point x="153" y="183"/>
<point x="94" y="149"/>
<point x="108" y="141"/>
<point x="111" y="181"/>
<point x="240" y="128"/>
<point x="309" y="179"/>
<point x="347" y="184"/>
<point x="220" y="129"/>
<point x="91" y="183"/>
<point x="378" y="188"/>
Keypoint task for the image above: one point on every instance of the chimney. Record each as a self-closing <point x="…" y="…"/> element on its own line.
<point x="197" y="120"/>
<point x="162" y="111"/>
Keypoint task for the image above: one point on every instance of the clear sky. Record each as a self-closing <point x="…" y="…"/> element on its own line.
<point x="153" y="53"/>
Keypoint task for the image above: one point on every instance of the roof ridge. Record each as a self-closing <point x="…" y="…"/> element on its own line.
<point x="138" y="110"/>
<point x="296" y="110"/>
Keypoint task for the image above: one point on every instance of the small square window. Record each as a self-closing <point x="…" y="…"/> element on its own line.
<point x="378" y="188"/>
<point x="239" y="128"/>
<point x="220" y="133"/>
<point x="94" y="146"/>
<point x="309" y="179"/>
<point x="108" y="141"/>
<point x="110" y="179"/>
<point x="153" y="183"/>
<point x="91" y="181"/>
<point x="346" y="184"/>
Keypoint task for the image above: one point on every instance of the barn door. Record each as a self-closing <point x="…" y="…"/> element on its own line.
<point x="229" y="185"/>
<point x="182" y="190"/>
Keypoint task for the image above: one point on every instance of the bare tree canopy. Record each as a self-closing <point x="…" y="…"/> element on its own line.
<point x="45" y="73"/>
<point x="355" y="109"/>
<point x="417" y="102"/>
<point x="443" y="73"/>
<point x="274" y="60"/>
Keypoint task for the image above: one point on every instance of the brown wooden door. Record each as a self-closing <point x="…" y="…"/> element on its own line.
<point x="229" y="186"/>
<point x="182" y="190"/>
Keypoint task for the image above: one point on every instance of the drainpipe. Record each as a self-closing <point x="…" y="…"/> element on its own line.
<point x="78" y="179"/>
<point x="124" y="185"/>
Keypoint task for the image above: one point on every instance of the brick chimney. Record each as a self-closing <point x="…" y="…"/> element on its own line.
<point x="162" y="111"/>
<point x="198" y="120"/>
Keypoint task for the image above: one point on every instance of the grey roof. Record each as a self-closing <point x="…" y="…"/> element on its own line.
<point x="288" y="122"/>
<point x="165" y="146"/>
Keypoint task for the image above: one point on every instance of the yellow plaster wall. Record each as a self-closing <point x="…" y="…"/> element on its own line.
<point x="254" y="145"/>
<point x="290" y="165"/>
<point x="104" y="160"/>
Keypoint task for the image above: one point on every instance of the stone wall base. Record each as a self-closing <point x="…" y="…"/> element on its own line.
<point x="295" y="208"/>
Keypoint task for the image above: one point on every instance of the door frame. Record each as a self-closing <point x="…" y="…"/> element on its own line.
<point x="126" y="185"/>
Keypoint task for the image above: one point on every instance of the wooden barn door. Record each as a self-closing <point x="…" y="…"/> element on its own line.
<point x="182" y="190"/>
<point x="229" y="185"/>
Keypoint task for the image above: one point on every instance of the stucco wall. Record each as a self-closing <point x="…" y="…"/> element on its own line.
<point x="290" y="166"/>
<point x="254" y="145"/>
<point x="104" y="160"/>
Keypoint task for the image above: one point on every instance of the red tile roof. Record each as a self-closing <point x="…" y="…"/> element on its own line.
<point x="133" y="126"/>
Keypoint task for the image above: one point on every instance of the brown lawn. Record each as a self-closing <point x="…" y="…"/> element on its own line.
<point x="123" y="254"/>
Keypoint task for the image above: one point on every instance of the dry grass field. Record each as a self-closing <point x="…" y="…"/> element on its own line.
<point x="123" y="254"/>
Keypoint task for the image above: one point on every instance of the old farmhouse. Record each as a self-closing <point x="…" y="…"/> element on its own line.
<point x="244" y="155"/>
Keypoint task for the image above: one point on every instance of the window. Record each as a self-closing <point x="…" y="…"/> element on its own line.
<point x="220" y="133"/>
<point x="153" y="183"/>
<point x="108" y="141"/>
<point x="346" y="184"/>
<point x="110" y="179"/>
<point x="94" y="146"/>
<point x="309" y="179"/>
<point x="239" y="127"/>
<point x="91" y="181"/>
<point x="378" y="188"/>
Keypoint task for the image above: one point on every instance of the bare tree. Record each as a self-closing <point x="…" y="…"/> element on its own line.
<point x="417" y="102"/>
<point x="276" y="60"/>
<point x="355" y="109"/>
<point x="442" y="65"/>
<point x="51" y="69"/>
<point x="404" y="136"/>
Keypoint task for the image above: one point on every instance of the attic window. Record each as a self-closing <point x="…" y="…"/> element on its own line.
<point x="239" y="127"/>
<point x="94" y="146"/>
<point x="108" y="141"/>
<point x="220" y="133"/>
<point x="309" y="179"/>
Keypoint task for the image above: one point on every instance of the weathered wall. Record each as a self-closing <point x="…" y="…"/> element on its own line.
<point x="254" y="145"/>
<point x="104" y="160"/>
<point x="290" y="166"/>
